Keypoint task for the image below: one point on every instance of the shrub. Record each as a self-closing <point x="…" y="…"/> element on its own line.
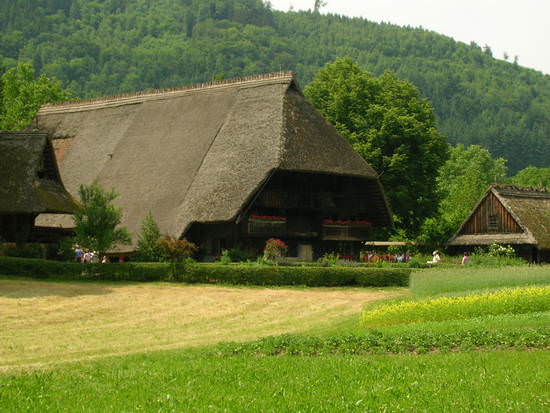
<point x="505" y="301"/>
<point x="148" y="247"/>
<point x="329" y="259"/>
<point x="177" y="250"/>
<point x="290" y="275"/>
<point x="43" y="269"/>
<point x="497" y="250"/>
<point x="206" y="273"/>
<point x="274" y="248"/>
<point x="28" y="250"/>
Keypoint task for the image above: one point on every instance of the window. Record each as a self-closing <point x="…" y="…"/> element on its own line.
<point x="493" y="223"/>
<point x="267" y="225"/>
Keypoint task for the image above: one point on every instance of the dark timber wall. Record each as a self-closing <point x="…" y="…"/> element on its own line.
<point x="491" y="217"/>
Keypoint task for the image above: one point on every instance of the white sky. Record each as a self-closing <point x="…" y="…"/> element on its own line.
<point x="517" y="27"/>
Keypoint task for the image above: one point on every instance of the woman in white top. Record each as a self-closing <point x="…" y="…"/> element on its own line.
<point x="436" y="258"/>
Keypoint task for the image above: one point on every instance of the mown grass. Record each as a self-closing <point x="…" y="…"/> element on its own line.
<point x="435" y="282"/>
<point x="192" y="382"/>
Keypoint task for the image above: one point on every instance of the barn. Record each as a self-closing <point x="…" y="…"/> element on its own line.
<point x="511" y="215"/>
<point x="224" y="164"/>
<point x="30" y="185"/>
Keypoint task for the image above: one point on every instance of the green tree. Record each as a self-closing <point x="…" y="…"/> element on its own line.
<point x="392" y="128"/>
<point x="97" y="220"/>
<point x="22" y="95"/>
<point x="462" y="181"/>
<point x="532" y="176"/>
<point x="148" y="248"/>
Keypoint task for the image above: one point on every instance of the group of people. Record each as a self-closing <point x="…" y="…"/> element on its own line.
<point x="372" y="256"/>
<point x="436" y="258"/>
<point x="88" y="257"/>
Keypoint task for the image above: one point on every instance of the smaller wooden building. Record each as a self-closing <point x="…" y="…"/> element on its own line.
<point x="510" y="215"/>
<point x="29" y="185"/>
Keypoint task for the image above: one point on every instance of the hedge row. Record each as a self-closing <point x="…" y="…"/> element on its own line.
<point x="207" y="273"/>
<point x="309" y="276"/>
<point x="37" y="268"/>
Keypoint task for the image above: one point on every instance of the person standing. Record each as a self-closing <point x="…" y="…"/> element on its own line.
<point x="78" y="253"/>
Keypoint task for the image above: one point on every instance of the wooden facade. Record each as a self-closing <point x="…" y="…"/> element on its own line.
<point x="313" y="213"/>
<point x="491" y="217"/>
<point x="509" y="215"/>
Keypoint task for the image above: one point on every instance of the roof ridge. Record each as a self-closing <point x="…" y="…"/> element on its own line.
<point x="159" y="92"/>
<point x="518" y="188"/>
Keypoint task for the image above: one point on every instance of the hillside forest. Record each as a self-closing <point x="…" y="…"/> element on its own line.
<point x="51" y="50"/>
<point x="105" y="47"/>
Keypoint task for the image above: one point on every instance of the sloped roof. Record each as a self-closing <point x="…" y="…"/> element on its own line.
<point x="530" y="208"/>
<point x="30" y="182"/>
<point x="196" y="154"/>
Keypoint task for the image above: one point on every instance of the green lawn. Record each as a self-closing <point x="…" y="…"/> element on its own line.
<point x="433" y="282"/>
<point x="179" y="381"/>
<point x="482" y="363"/>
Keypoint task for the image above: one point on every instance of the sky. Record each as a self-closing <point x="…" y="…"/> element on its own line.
<point x="515" y="27"/>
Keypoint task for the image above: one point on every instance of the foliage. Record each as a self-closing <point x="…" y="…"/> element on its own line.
<point x="462" y="180"/>
<point x="116" y="46"/>
<point x="128" y="271"/>
<point x="274" y="248"/>
<point x="22" y="94"/>
<point x="97" y="220"/>
<point x="532" y="176"/>
<point x="225" y="257"/>
<point x="27" y="250"/>
<point x="497" y="250"/>
<point x="283" y="275"/>
<point x="329" y="259"/>
<point x="207" y="273"/>
<point x="391" y="127"/>
<point x="505" y="301"/>
<point x="176" y="250"/>
<point x="148" y="246"/>
<point x="375" y="342"/>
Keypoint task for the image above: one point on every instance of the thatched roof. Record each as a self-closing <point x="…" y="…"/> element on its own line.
<point x="30" y="182"/>
<point x="196" y="154"/>
<point x="529" y="207"/>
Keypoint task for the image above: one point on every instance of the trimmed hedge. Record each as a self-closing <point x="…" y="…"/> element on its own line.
<point x="309" y="276"/>
<point x="42" y="269"/>
<point x="207" y="273"/>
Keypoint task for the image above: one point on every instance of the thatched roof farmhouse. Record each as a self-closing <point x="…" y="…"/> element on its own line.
<point x="224" y="163"/>
<point x="509" y="214"/>
<point x="30" y="184"/>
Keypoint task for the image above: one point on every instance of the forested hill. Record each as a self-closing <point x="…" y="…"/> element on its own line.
<point x="111" y="46"/>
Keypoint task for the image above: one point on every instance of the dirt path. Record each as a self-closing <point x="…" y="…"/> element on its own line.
<point x="46" y="322"/>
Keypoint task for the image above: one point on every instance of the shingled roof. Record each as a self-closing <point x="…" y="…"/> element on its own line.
<point x="29" y="178"/>
<point x="530" y="209"/>
<point x="195" y="154"/>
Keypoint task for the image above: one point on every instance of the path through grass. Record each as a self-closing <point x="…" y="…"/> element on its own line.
<point x="50" y="322"/>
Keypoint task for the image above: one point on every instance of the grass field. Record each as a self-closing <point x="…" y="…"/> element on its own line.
<point x="469" y="362"/>
<point x="51" y="322"/>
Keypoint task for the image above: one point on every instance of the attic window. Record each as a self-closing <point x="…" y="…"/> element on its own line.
<point x="492" y="223"/>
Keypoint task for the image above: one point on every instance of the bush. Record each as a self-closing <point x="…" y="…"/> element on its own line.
<point x="28" y="250"/>
<point x="290" y="275"/>
<point x="206" y="273"/>
<point x="42" y="269"/>
<point x="505" y="301"/>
